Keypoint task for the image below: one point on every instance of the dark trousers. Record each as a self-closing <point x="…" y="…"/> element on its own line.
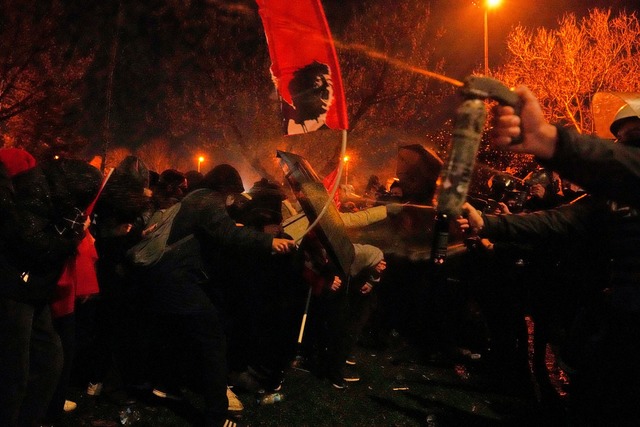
<point x="30" y="362"/>
<point x="361" y="308"/>
<point x="197" y="339"/>
<point x="65" y="327"/>
<point x="327" y="337"/>
<point x="605" y="390"/>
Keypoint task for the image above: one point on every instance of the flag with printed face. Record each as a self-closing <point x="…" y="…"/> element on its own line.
<point x="304" y="65"/>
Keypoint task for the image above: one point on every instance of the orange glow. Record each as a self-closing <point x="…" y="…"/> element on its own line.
<point x="493" y="3"/>
<point x="346" y="159"/>
<point x="201" y="159"/>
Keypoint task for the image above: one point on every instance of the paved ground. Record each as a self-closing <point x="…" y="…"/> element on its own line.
<point x="403" y="384"/>
<point x="399" y="387"/>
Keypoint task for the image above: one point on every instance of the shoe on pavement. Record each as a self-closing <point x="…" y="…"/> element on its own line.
<point x="351" y="378"/>
<point x="94" y="389"/>
<point x="338" y="382"/>
<point x="69" y="406"/>
<point x="235" y="405"/>
<point x="350" y="375"/>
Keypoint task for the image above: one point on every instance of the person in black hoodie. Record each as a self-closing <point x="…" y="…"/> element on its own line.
<point x="112" y="328"/>
<point x="41" y="223"/>
<point x="202" y="238"/>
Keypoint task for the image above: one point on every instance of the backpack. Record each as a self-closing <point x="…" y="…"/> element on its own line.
<point x="150" y="249"/>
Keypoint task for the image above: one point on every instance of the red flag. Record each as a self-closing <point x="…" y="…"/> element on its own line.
<point x="304" y="65"/>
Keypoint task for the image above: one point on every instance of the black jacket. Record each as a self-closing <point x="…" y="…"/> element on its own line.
<point x="602" y="167"/>
<point x="176" y="284"/>
<point x="605" y="228"/>
<point x="36" y="235"/>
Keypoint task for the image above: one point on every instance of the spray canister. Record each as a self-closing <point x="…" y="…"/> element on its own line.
<point x="455" y="177"/>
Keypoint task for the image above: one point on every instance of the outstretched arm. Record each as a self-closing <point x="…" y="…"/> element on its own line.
<point x="600" y="166"/>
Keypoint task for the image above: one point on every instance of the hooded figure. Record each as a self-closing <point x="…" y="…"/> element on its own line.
<point x="223" y="179"/>
<point x="265" y="207"/>
<point x="201" y="241"/>
<point x="41" y="223"/>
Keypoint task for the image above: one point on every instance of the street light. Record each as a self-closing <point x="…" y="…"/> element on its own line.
<point x="489" y="4"/>
<point x="200" y="160"/>
<point x="345" y="159"/>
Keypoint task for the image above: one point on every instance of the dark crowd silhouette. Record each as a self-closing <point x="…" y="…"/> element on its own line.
<point x="146" y="283"/>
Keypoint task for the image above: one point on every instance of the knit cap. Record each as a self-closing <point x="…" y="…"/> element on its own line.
<point x="16" y="160"/>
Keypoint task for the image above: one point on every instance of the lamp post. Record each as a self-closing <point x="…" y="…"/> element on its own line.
<point x="200" y="160"/>
<point x="345" y="159"/>
<point x="489" y="4"/>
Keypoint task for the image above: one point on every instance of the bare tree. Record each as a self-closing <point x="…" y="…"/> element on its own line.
<point x="116" y="155"/>
<point x="40" y="73"/>
<point x="378" y="50"/>
<point x="228" y="104"/>
<point x="567" y="66"/>
<point x="158" y="155"/>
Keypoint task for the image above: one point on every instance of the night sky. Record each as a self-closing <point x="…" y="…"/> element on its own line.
<point x="463" y="43"/>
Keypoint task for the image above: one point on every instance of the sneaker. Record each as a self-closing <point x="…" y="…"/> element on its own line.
<point x="351" y="360"/>
<point x="350" y="376"/>
<point x="94" y="389"/>
<point x="69" y="406"/>
<point x="171" y="395"/>
<point x="339" y="384"/>
<point x="235" y="404"/>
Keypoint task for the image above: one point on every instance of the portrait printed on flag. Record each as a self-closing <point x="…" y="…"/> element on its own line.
<point x="311" y="90"/>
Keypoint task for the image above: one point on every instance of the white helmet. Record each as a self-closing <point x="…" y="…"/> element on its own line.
<point x="624" y="114"/>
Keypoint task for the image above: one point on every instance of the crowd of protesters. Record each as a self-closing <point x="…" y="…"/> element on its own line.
<point x="169" y="280"/>
<point x="173" y="280"/>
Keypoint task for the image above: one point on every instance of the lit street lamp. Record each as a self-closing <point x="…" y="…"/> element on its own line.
<point x="200" y="160"/>
<point x="345" y="159"/>
<point x="488" y="4"/>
